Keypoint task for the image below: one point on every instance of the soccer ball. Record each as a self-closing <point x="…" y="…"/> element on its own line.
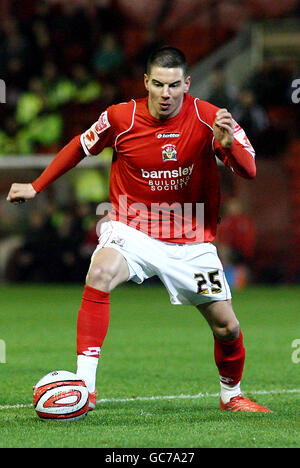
<point x="61" y="395"/>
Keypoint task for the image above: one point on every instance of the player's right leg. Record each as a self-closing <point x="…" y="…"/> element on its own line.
<point x="107" y="270"/>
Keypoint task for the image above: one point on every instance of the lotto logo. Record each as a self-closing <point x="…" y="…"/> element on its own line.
<point x="168" y="135"/>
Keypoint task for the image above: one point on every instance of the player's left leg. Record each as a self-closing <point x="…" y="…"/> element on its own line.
<point x="229" y="354"/>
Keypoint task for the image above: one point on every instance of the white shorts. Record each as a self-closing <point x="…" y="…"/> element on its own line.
<point x="192" y="273"/>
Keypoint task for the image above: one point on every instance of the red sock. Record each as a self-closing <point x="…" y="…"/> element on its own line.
<point x="230" y="358"/>
<point x="92" y="321"/>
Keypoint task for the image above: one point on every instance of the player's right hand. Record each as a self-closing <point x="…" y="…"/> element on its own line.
<point x="19" y="193"/>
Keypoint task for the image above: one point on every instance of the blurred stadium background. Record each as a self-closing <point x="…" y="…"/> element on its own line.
<point x="64" y="62"/>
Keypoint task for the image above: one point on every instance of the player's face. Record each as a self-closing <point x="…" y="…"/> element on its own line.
<point x="166" y="88"/>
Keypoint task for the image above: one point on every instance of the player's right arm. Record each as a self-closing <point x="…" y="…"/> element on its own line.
<point x="95" y="139"/>
<point x="68" y="157"/>
<point x="19" y="193"/>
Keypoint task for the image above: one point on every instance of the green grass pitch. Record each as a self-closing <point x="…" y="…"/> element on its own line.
<point x="157" y="381"/>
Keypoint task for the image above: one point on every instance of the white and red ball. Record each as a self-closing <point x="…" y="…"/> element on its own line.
<point x="61" y="395"/>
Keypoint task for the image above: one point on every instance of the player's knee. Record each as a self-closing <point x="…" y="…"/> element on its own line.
<point x="100" y="277"/>
<point x="229" y="331"/>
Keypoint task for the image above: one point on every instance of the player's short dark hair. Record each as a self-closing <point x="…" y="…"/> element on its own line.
<point x="167" y="57"/>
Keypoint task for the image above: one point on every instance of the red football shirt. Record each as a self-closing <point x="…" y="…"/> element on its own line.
<point x="164" y="176"/>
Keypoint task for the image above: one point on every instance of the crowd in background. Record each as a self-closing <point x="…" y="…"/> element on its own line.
<point x="63" y="65"/>
<point x="56" y="245"/>
<point x="53" y="58"/>
<point x="263" y="106"/>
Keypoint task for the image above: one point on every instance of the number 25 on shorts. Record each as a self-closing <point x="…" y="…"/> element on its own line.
<point x="215" y="284"/>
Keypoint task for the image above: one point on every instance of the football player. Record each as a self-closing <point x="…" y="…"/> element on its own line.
<point x="165" y="197"/>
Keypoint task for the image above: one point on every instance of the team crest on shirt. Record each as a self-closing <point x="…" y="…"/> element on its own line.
<point x="169" y="152"/>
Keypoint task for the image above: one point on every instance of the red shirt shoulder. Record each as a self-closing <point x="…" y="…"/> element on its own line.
<point x="206" y="112"/>
<point x="121" y="115"/>
<point x="115" y="120"/>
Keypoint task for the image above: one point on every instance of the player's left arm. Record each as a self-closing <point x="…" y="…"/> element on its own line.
<point x="232" y="145"/>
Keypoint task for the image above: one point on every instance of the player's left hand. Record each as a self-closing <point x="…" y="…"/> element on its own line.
<point x="223" y="128"/>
